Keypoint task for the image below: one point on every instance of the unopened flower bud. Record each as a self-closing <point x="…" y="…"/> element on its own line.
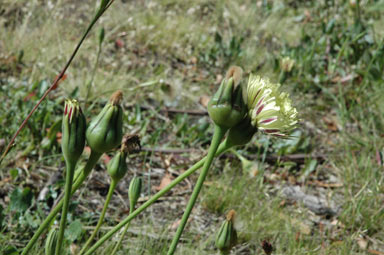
<point x="117" y="166"/>
<point x="101" y="35"/>
<point x="106" y="130"/>
<point x="134" y="192"/>
<point x="227" y="236"/>
<point x="73" y="132"/>
<point x="226" y="108"/>
<point x="50" y="243"/>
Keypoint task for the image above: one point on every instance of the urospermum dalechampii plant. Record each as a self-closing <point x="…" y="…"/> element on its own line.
<point x="270" y="110"/>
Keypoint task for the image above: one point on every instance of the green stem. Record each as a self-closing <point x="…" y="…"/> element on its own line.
<point x="89" y="85"/>
<point x="222" y="148"/>
<point x="93" y="158"/>
<point x="101" y="219"/>
<point x="67" y="196"/>
<point x="122" y="235"/>
<point x="217" y="136"/>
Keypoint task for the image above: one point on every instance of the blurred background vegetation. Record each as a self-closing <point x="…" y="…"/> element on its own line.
<point x="320" y="192"/>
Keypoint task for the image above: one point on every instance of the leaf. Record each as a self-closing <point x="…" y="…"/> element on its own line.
<point x="74" y="230"/>
<point x="21" y="199"/>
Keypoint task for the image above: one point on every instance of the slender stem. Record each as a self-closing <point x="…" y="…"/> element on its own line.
<point x="112" y="187"/>
<point x="217" y="136"/>
<point x="54" y="83"/>
<point x="222" y="148"/>
<point x="67" y="196"/>
<point x="93" y="158"/>
<point x="122" y="235"/>
<point x="89" y="85"/>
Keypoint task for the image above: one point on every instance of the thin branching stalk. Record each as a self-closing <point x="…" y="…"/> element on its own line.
<point x="112" y="187"/>
<point x="222" y="148"/>
<point x="217" y="136"/>
<point x="55" y="82"/>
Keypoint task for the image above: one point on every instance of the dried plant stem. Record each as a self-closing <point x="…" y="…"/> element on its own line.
<point x="55" y="82"/>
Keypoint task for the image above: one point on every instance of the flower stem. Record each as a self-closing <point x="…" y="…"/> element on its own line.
<point x="112" y="187"/>
<point x="217" y="136"/>
<point x="93" y="158"/>
<point x="222" y="148"/>
<point x="67" y="196"/>
<point x="122" y="235"/>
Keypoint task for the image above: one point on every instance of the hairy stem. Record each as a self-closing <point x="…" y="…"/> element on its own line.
<point x="217" y="136"/>
<point x="93" y="158"/>
<point x="112" y="187"/>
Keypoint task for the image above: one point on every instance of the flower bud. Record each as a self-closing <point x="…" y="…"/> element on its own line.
<point x="73" y="132"/>
<point x="50" y="243"/>
<point x="117" y="167"/>
<point x="226" y="108"/>
<point x="106" y="130"/>
<point x="134" y="192"/>
<point x="227" y="236"/>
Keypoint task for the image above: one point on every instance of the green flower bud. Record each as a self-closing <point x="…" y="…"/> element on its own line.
<point x="227" y="236"/>
<point x="50" y="243"/>
<point x="117" y="167"/>
<point x="106" y="130"/>
<point x="73" y="132"/>
<point x="226" y="108"/>
<point x="101" y="35"/>
<point x="242" y="133"/>
<point x="134" y="192"/>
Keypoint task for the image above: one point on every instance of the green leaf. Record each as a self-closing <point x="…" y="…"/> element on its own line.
<point x="74" y="230"/>
<point x="14" y="173"/>
<point x="21" y="199"/>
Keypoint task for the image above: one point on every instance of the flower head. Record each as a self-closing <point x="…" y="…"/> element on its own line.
<point x="270" y="110"/>
<point x="105" y="131"/>
<point x="73" y="129"/>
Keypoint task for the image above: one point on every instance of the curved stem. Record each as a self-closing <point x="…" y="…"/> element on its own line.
<point x="224" y="146"/>
<point x="112" y="187"/>
<point x="67" y="196"/>
<point x="217" y="136"/>
<point x="122" y="235"/>
<point x="93" y="158"/>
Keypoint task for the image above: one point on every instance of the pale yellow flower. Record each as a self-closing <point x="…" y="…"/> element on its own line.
<point x="270" y="110"/>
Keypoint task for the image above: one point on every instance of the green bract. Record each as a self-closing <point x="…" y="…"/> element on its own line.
<point x="117" y="167"/>
<point x="73" y="132"/>
<point x="242" y="133"/>
<point x="226" y="237"/>
<point x="134" y="192"/>
<point x="106" y="130"/>
<point x="226" y="108"/>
